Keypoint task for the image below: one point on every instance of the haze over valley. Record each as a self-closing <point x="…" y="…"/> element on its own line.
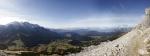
<point x="74" y="27"/>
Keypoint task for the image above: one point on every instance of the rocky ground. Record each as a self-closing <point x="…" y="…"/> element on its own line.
<point x="134" y="43"/>
<point x="2" y="53"/>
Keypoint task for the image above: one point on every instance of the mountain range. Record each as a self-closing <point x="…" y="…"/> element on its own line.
<point x="134" y="43"/>
<point x="30" y="34"/>
<point x="25" y="35"/>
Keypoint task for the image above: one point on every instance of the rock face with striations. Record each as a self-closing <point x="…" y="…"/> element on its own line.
<point x="134" y="43"/>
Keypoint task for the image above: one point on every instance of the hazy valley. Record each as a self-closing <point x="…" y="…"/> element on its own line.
<point x="24" y="36"/>
<point x="74" y="28"/>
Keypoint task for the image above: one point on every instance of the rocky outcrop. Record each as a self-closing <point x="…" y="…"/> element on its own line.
<point x="134" y="43"/>
<point x="146" y="22"/>
<point x="2" y="53"/>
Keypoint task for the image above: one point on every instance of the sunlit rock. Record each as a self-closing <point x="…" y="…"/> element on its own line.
<point x="134" y="43"/>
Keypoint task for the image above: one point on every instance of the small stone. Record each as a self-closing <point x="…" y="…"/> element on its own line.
<point x="147" y="41"/>
<point x="117" y="46"/>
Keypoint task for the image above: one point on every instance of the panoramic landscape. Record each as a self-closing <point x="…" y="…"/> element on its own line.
<point x="74" y="28"/>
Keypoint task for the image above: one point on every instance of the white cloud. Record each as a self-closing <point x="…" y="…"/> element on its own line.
<point x="101" y="21"/>
<point x="8" y="4"/>
<point x="7" y="20"/>
<point x="9" y="11"/>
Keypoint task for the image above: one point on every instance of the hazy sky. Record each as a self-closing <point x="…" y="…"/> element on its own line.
<point x="73" y="13"/>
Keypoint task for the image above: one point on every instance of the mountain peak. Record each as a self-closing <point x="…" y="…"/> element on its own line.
<point x="147" y="11"/>
<point x="146" y="22"/>
<point x="16" y="22"/>
<point x="30" y="34"/>
<point x="22" y="24"/>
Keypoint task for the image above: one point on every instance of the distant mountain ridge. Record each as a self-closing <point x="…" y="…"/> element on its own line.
<point x="30" y="34"/>
<point x="25" y="36"/>
<point x="134" y="43"/>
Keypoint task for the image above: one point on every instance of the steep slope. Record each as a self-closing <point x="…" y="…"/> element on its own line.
<point x="27" y="34"/>
<point x="134" y="43"/>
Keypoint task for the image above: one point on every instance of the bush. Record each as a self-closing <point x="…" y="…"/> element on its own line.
<point x="28" y="54"/>
<point x="62" y="48"/>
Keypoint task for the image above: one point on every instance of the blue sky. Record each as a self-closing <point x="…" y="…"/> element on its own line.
<point x="74" y="13"/>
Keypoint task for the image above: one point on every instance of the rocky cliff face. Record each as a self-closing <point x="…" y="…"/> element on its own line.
<point x="146" y="22"/>
<point x="134" y="43"/>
